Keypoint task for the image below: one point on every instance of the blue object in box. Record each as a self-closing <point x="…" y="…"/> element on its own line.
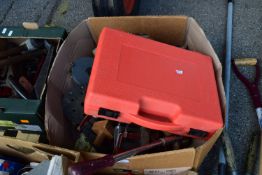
<point x="8" y="167"/>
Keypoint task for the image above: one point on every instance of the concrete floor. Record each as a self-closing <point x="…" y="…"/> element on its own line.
<point x="211" y="15"/>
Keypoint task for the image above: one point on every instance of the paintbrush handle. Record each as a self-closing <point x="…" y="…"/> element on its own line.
<point x="91" y="166"/>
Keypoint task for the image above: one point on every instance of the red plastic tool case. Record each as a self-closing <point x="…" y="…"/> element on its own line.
<point x="152" y="84"/>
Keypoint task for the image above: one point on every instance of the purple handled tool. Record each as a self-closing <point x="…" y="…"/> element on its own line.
<point x="91" y="166"/>
<point x="252" y="87"/>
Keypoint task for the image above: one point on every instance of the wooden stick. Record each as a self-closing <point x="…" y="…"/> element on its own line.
<point x="30" y="25"/>
<point x="252" y="155"/>
<point x="246" y="61"/>
<point x="103" y="131"/>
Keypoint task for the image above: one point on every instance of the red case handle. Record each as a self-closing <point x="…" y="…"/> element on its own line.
<point x="153" y="124"/>
<point x="156" y="114"/>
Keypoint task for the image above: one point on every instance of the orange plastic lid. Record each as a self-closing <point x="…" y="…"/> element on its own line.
<point x="152" y="84"/>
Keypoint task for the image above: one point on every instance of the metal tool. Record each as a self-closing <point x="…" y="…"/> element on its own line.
<point x="30" y="44"/>
<point x="91" y="166"/>
<point x="119" y="132"/>
<point x="252" y="87"/>
<point x="222" y="159"/>
<point x="129" y="136"/>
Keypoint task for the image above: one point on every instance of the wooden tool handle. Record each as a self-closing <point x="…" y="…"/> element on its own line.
<point x="246" y="61"/>
<point x="252" y="155"/>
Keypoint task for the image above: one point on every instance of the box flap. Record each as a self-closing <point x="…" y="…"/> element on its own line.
<point x="78" y="43"/>
<point x="168" y="159"/>
<point x="196" y="40"/>
<point x="203" y="150"/>
<point x="33" y="151"/>
<point x="174" y="27"/>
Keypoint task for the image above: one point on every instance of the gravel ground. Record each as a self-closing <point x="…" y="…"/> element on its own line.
<point x="211" y="15"/>
<point x="14" y="12"/>
<point x="72" y="12"/>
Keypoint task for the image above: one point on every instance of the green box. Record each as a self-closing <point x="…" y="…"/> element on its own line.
<point x="12" y="109"/>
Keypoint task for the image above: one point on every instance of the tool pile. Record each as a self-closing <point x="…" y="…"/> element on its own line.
<point x="134" y="107"/>
<point x="24" y="67"/>
<point x="97" y="132"/>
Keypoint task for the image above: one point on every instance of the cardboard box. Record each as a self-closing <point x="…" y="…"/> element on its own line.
<point x="16" y="109"/>
<point x="37" y="152"/>
<point x="34" y="152"/>
<point x="175" y="30"/>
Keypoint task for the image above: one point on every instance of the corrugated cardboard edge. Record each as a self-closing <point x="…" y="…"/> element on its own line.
<point x="183" y="158"/>
<point x="156" y="25"/>
<point x="59" y="126"/>
<point x="195" y="33"/>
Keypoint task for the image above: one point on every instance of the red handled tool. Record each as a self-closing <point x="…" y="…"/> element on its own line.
<point x="91" y="166"/>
